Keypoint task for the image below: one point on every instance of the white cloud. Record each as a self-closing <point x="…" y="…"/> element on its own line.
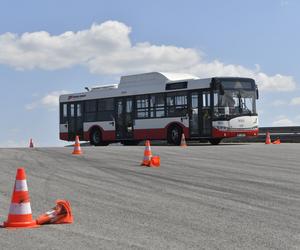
<point x="49" y="101"/>
<point x="278" y="103"/>
<point x="283" y="121"/>
<point x="295" y="101"/>
<point x="52" y="99"/>
<point x="107" y="49"/>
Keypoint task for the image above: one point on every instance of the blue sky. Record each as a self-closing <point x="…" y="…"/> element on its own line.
<point x="52" y="47"/>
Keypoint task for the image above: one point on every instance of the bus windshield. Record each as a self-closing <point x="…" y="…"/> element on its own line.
<point x="235" y="102"/>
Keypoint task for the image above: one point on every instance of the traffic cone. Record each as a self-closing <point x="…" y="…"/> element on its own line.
<point x="277" y="141"/>
<point x="268" y="139"/>
<point x="155" y="161"/>
<point x="77" y="148"/>
<point x="183" y="142"/>
<point x="147" y="155"/>
<point x="20" y="215"/>
<point x="31" y="143"/>
<point x="60" y="214"/>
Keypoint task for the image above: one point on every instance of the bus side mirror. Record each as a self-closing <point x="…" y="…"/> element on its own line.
<point x="257" y="95"/>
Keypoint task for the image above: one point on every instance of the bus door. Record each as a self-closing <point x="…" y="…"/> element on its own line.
<point x="124" y="118"/>
<point x="75" y="121"/>
<point x="205" y="114"/>
<point x="194" y="114"/>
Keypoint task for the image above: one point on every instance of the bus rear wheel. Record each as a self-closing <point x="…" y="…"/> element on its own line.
<point x="96" y="138"/>
<point x="215" y="141"/>
<point x="174" y="135"/>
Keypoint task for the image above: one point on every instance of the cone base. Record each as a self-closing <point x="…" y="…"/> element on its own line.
<point x="30" y="224"/>
<point x="146" y="164"/>
<point x="64" y="221"/>
<point x="150" y="165"/>
<point x="77" y="153"/>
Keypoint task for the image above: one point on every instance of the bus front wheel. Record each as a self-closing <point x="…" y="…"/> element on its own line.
<point x="174" y="135"/>
<point x="215" y="141"/>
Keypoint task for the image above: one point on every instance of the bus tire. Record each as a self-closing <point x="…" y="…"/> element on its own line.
<point x="215" y="141"/>
<point x="174" y="135"/>
<point x="96" y="138"/>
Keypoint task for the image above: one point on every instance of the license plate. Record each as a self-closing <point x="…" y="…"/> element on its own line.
<point x="241" y="135"/>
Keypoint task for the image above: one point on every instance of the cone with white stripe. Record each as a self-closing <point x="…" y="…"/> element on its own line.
<point x="20" y="215"/>
<point x="183" y="141"/>
<point x="77" y="148"/>
<point x="147" y="155"/>
<point x="268" y="138"/>
<point x="60" y="214"/>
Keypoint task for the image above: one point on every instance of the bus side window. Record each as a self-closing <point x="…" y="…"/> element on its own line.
<point x="78" y="110"/>
<point x="206" y="99"/>
<point x="72" y="110"/>
<point x="176" y="104"/>
<point x="90" y="110"/>
<point x="157" y="105"/>
<point x="142" y="106"/>
<point x="105" y="109"/>
<point x="216" y="100"/>
<point x="63" y="113"/>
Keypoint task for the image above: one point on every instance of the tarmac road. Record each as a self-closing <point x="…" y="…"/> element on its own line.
<point x="243" y="196"/>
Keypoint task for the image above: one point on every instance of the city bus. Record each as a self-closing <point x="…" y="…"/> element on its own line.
<point x="161" y="106"/>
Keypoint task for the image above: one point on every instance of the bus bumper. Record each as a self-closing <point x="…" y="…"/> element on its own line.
<point x="216" y="133"/>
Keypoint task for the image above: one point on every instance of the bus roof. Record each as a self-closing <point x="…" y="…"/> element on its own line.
<point x="153" y="82"/>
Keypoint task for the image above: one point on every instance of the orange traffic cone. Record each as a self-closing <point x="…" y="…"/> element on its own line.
<point x="183" y="142"/>
<point x="31" y="143"/>
<point x="77" y="148"/>
<point x="277" y="141"/>
<point x="147" y="155"/>
<point x="155" y="161"/>
<point x="60" y="214"/>
<point x="20" y="215"/>
<point x="268" y="139"/>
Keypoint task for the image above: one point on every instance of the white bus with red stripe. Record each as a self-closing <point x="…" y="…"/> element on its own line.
<point x="161" y="106"/>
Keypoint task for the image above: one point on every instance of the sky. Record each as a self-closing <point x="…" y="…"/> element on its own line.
<point x="48" y="48"/>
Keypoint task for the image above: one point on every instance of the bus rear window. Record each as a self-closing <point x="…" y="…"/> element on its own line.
<point x="176" y="85"/>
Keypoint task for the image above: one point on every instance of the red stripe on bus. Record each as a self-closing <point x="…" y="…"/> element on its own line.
<point x="63" y="136"/>
<point x="158" y="133"/>
<point x="138" y="134"/>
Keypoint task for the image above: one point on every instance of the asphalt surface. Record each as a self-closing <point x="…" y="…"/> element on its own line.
<point x="243" y="196"/>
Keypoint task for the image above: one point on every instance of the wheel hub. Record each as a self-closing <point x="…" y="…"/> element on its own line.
<point x="96" y="137"/>
<point x="174" y="134"/>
